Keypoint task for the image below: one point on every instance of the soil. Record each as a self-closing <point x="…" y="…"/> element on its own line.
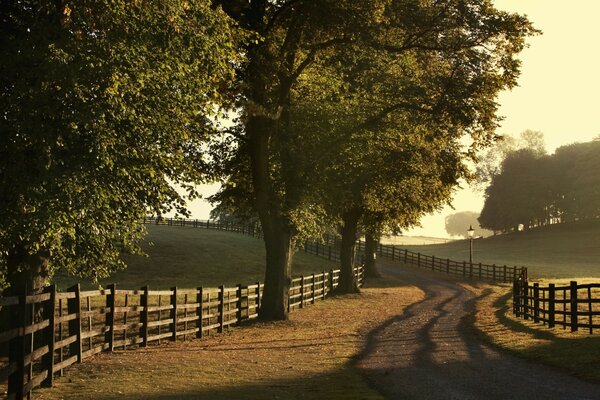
<point x="431" y="351"/>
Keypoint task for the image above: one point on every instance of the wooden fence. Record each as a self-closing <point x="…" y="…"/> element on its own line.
<point x="570" y="306"/>
<point x="57" y="329"/>
<point x="328" y="247"/>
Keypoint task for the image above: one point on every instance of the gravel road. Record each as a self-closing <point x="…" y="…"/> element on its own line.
<point x="429" y="353"/>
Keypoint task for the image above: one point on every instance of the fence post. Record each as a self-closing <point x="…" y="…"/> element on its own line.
<point x="525" y="300"/>
<point x="574" y="325"/>
<point x="199" y="311"/>
<point x="238" y="305"/>
<point x="551" y="305"/>
<point x="418" y="259"/>
<point x="74" y="307"/>
<point x="50" y="315"/>
<point x="144" y="302"/>
<point x="516" y="298"/>
<point x="323" y="277"/>
<point x="433" y="263"/>
<point x="405" y="256"/>
<point x="494" y="272"/>
<point x="109" y="336"/>
<point x="479" y="270"/>
<point x="221" y="318"/>
<point x="448" y="266"/>
<point x="536" y="302"/>
<point x="331" y="280"/>
<point x="174" y="313"/>
<point x="257" y="296"/>
<point x="313" y="288"/>
<point x="464" y="268"/>
<point x="16" y="350"/>
<point x="302" y="292"/>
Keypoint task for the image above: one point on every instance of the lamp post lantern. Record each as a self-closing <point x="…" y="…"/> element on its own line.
<point x="471" y="233"/>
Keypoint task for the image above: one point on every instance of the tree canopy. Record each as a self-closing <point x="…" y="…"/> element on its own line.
<point x="105" y="105"/>
<point x="439" y="67"/>
<point x="533" y="189"/>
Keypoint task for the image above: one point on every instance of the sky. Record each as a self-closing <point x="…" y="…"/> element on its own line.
<point x="558" y="92"/>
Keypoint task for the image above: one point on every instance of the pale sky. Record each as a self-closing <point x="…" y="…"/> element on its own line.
<point x="557" y="94"/>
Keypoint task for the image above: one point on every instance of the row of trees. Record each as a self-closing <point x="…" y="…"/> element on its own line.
<point x="533" y="188"/>
<point x="351" y="114"/>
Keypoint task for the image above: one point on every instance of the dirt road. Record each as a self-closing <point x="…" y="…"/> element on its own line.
<point x="430" y="353"/>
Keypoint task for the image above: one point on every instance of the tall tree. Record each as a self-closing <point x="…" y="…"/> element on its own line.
<point x="105" y="105"/>
<point x="458" y="223"/>
<point x="471" y="44"/>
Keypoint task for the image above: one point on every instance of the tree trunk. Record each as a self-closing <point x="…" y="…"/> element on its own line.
<point x="370" y="256"/>
<point x="276" y="229"/>
<point x="275" y="298"/>
<point x="347" y="281"/>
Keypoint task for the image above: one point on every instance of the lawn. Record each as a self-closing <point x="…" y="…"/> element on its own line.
<point x="188" y="257"/>
<point x="557" y="251"/>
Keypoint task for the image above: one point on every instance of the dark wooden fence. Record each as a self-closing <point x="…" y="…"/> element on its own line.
<point x="570" y="306"/>
<point x="58" y="329"/>
<point x="329" y="245"/>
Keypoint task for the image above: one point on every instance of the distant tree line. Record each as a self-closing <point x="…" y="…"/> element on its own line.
<point x="534" y="189"/>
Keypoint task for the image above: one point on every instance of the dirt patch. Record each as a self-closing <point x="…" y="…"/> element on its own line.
<point x="307" y="357"/>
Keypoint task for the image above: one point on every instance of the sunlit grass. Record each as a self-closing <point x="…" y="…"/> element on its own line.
<point x="574" y="352"/>
<point x="189" y="257"/>
<point x="558" y="251"/>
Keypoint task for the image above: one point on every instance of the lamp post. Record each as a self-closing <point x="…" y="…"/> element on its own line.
<point x="471" y="233"/>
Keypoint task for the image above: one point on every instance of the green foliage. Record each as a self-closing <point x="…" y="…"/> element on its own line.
<point x="458" y="223"/>
<point x="533" y="189"/>
<point x="105" y="106"/>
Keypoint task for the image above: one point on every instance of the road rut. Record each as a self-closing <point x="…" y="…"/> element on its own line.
<point x="430" y="352"/>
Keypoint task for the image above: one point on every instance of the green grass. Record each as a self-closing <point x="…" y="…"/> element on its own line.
<point x="188" y="257"/>
<point x="557" y="251"/>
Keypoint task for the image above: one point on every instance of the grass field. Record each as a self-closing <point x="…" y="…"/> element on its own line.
<point x="188" y="257"/>
<point x="557" y="251"/>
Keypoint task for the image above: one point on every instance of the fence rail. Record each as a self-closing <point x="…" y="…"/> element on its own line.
<point x="570" y="306"/>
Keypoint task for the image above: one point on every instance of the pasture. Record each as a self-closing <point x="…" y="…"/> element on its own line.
<point x="569" y="251"/>
<point x="188" y="257"/>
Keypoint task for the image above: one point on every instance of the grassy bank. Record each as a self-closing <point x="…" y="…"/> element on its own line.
<point x="557" y="251"/>
<point x="574" y="353"/>
<point x="188" y="257"/>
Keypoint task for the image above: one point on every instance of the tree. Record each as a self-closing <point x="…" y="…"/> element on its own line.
<point x="105" y="107"/>
<point x="472" y="44"/>
<point x="458" y="223"/>
<point x="489" y="164"/>
<point x="520" y="194"/>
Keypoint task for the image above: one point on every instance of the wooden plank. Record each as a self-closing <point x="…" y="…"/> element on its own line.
<point x="162" y="322"/>
<point x="8" y="335"/>
<point x="65" y="363"/>
<point x="37" y="298"/>
<point x="65" y="342"/>
<point x="199" y="311"/>
<point x="159" y="336"/>
<point x="129" y="341"/>
<point x="28" y="330"/>
<point x="96" y="332"/>
<point x="95" y="350"/>
<point x="159" y="308"/>
<point x="191" y="331"/>
<point x="35" y="355"/>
